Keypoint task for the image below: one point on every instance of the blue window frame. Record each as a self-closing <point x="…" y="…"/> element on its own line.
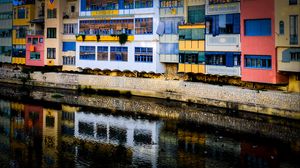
<point x="118" y="53"/>
<point x="143" y="54"/>
<point x="260" y="62"/>
<point x="102" y="53"/>
<point x="87" y="53"/>
<point x="69" y="46"/>
<point x="228" y="59"/>
<point x="258" y="27"/>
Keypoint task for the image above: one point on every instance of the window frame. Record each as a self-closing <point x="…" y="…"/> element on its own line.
<point x="258" y="57"/>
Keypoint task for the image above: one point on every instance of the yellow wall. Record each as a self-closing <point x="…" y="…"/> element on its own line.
<point x="18" y="60"/>
<point x="191" y="45"/>
<point x="23" y="22"/>
<point x="103" y="38"/>
<point x="282" y="12"/>
<point x="194" y="68"/>
<point x="19" y="41"/>
<point x="294" y="84"/>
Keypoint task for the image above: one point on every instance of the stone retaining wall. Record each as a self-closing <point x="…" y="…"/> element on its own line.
<point x="267" y="102"/>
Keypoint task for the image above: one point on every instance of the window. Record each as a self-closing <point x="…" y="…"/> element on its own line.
<point x="29" y="40"/>
<point x="5" y="15"/>
<point x="293" y="2"/>
<point x="294" y="29"/>
<point x="144" y="26"/>
<point x="171" y="3"/>
<point x="262" y="62"/>
<point x="68" y="60"/>
<point x="281" y="27"/>
<point x="128" y="4"/>
<point x="4" y="33"/>
<point x="51" y="53"/>
<point x="51" y="13"/>
<point x="69" y="46"/>
<point x="258" y="27"/>
<point x="51" y="32"/>
<point x="221" y="1"/>
<point x="70" y="28"/>
<point x="106" y="27"/>
<point x="191" y="34"/>
<point x="5" y="50"/>
<point x="72" y="8"/>
<point x="41" y="40"/>
<point x="216" y="59"/>
<point x="21" y="31"/>
<point x="87" y="53"/>
<point x="192" y="58"/>
<point x="118" y="53"/>
<point x="34" y="55"/>
<point x="102" y="53"/>
<point x="223" y="24"/>
<point x="21" y="13"/>
<point x="295" y="56"/>
<point x="196" y="14"/>
<point x="35" y="41"/>
<point x="168" y="25"/>
<point x="143" y="3"/>
<point x="143" y="54"/>
<point x="92" y="5"/>
<point x="19" y="50"/>
<point x="168" y="48"/>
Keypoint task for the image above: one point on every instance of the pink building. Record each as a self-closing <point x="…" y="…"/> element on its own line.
<point x="35" y="50"/>
<point x="259" y="60"/>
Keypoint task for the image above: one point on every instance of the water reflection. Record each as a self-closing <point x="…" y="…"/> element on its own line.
<point x="67" y="136"/>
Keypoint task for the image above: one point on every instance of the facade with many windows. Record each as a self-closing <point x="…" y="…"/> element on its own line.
<point x="102" y="24"/>
<point x="222" y="39"/>
<point x="287" y="40"/>
<point x="5" y="31"/>
<point x="259" y="60"/>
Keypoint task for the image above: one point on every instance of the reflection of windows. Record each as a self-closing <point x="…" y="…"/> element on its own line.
<point x="49" y="142"/>
<point x="87" y="53"/>
<point x="86" y="128"/>
<point x="50" y="121"/>
<point x="51" y="53"/>
<point x="258" y="27"/>
<point x="51" y="32"/>
<point x="143" y="26"/>
<point x="118" y="54"/>
<point x="252" y="61"/>
<point x="196" y="14"/>
<point x="293" y="2"/>
<point x="142" y="137"/>
<point x="51" y="13"/>
<point x="35" y="55"/>
<point x="101" y="131"/>
<point x="171" y="3"/>
<point x="143" y="54"/>
<point x="117" y="134"/>
<point x="102" y="53"/>
<point x="223" y="24"/>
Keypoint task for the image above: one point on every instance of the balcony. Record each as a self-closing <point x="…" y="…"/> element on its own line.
<point x="223" y="42"/>
<point x="5" y="58"/>
<point x="104" y="38"/>
<point x="288" y="59"/>
<point x="171" y="12"/>
<point x="223" y="70"/>
<point x="191" y="68"/>
<point x="168" y="58"/>
<point x="224" y="8"/>
<point x="191" y="37"/>
<point x="71" y="15"/>
<point x="35" y="32"/>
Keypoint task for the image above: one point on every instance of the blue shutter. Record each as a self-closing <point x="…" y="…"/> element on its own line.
<point x="121" y="4"/>
<point x="236" y="23"/>
<point x="83" y="5"/>
<point x="229" y="59"/>
<point x="216" y="25"/>
<point x="286" y="56"/>
<point x="69" y="46"/>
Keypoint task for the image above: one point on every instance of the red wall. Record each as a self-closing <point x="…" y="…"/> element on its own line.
<point x="38" y="48"/>
<point x="259" y="45"/>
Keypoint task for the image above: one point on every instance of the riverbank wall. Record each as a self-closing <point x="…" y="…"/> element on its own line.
<point x="277" y="103"/>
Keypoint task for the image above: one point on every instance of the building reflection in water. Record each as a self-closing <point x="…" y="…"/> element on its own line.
<point x="67" y="136"/>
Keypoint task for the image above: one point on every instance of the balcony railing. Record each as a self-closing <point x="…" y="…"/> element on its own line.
<point x="35" y="32"/>
<point x="228" y="42"/>
<point x="223" y="70"/>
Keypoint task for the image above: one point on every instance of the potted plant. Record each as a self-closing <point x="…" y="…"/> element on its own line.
<point x="98" y="37"/>
<point x="123" y="38"/>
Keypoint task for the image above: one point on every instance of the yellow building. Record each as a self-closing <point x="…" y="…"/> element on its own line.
<point x="22" y="15"/>
<point x="287" y="19"/>
<point x="54" y="32"/>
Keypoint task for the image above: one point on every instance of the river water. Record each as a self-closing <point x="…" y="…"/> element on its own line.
<point x="58" y="134"/>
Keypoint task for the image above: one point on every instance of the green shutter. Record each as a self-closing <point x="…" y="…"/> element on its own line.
<point x="198" y="34"/>
<point x="201" y="57"/>
<point x="188" y="34"/>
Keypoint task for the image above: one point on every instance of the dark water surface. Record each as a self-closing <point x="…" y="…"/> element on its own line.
<point x="60" y="135"/>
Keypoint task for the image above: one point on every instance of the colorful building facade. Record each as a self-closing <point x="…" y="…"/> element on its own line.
<point x="222" y="39"/>
<point x="5" y="31"/>
<point x="102" y="24"/>
<point x="259" y="61"/>
<point x="287" y="41"/>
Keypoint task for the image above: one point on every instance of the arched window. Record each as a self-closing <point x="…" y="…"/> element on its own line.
<point x="281" y="27"/>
